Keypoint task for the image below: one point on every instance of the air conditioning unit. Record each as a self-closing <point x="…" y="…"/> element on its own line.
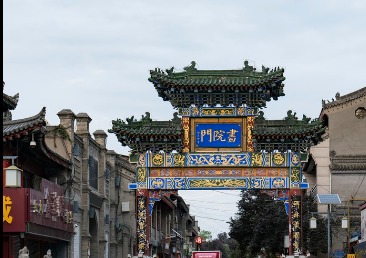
<point x="125" y="206"/>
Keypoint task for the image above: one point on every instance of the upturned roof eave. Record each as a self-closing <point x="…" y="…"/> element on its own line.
<point x="11" y="102"/>
<point x="184" y="84"/>
<point x="24" y="125"/>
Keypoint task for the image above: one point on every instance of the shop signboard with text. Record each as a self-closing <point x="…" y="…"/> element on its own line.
<point x="14" y="210"/>
<point x="48" y="207"/>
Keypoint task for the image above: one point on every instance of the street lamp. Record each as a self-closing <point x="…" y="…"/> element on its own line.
<point x="312" y="222"/>
<point x="166" y="245"/>
<point x="13" y="174"/>
<point x="344" y="222"/>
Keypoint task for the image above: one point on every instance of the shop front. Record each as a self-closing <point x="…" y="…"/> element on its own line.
<point x="41" y="220"/>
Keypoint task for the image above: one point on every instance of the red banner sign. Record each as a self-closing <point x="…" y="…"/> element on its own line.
<point x="14" y="210"/>
<point x="46" y="207"/>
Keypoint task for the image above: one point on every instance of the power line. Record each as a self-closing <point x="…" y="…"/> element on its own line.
<point x="359" y="185"/>
<point x="209" y="208"/>
<point x="318" y="184"/>
<point x="191" y="200"/>
<point x="215" y="227"/>
<point x="238" y="195"/>
<point x="210" y="218"/>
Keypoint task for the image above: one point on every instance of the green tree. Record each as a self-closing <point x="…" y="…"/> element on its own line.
<point x="314" y="240"/>
<point x="206" y="235"/>
<point x="260" y="224"/>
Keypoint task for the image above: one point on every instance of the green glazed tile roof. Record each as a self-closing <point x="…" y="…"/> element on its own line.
<point x="245" y="86"/>
<point x="289" y="133"/>
<point x="146" y="134"/>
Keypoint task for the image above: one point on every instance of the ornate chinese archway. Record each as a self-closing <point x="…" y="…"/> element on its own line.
<point x="219" y="139"/>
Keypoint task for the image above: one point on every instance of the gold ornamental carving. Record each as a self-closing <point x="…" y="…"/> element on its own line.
<point x="250" y="125"/>
<point x="141" y="174"/>
<point x="278" y="159"/>
<point x="257" y="159"/>
<point x="158" y="159"/>
<point x="185" y="125"/>
<point x="179" y="160"/>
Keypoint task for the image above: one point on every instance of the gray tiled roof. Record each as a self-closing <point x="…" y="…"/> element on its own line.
<point x="345" y="99"/>
<point x="20" y="126"/>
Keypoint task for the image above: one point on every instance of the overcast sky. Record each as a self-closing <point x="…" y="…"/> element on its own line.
<point x="95" y="56"/>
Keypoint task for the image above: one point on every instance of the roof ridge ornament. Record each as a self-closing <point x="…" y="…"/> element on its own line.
<point x="290" y="116"/>
<point x="146" y="119"/>
<point x="170" y="71"/>
<point x="191" y="68"/>
<point x="247" y="67"/>
<point x="176" y="119"/>
<point x="260" y="116"/>
<point x="265" y="69"/>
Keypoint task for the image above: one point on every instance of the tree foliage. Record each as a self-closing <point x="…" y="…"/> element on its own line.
<point x="206" y="235"/>
<point x="227" y="246"/>
<point x="260" y="223"/>
<point x="314" y="240"/>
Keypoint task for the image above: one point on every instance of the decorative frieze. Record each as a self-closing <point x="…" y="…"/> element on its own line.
<point x="245" y="159"/>
<point x="194" y="183"/>
<point x="218" y="112"/>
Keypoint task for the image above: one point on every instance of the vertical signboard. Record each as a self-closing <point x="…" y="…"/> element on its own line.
<point x="14" y="210"/>
<point x="296" y="221"/>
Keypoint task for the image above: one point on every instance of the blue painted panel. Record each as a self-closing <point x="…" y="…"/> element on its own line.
<point x="218" y="135"/>
<point x="132" y="186"/>
<point x="304" y="185"/>
<point x="229" y="159"/>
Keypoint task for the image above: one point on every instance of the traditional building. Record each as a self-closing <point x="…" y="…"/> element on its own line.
<point x="98" y="185"/>
<point x="338" y="164"/>
<point x="79" y="203"/>
<point x="172" y="230"/>
<point x="122" y="205"/>
<point x="37" y="213"/>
